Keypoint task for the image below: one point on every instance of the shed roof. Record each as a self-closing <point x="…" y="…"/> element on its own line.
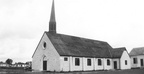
<point x="80" y="47"/>
<point x="117" y="52"/>
<point x="137" y="51"/>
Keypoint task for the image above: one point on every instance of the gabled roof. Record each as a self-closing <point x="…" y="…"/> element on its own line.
<point x="117" y="52"/>
<point x="137" y="51"/>
<point x="79" y="47"/>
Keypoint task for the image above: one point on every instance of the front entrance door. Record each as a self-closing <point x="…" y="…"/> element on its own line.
<point x="115" y="64"/>
<point x="44" y="65"/>
<point x="141" y="62"/>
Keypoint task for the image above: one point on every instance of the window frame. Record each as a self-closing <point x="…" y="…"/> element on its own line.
<point x="77" y="61"/>
<point x="99" y="62"/>
<point x="89" y="62"/>
<point x="108" y="62"/>
<point x="44" y="45"/>
<point x="126" y="62"/>
<point x="65" y="59"/>
<point x="135" y="60"/>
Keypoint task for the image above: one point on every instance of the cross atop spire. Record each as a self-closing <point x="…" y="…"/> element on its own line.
<point x="52" y="22"/>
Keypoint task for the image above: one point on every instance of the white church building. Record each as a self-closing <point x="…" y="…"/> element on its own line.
<point x="59" y="52"/>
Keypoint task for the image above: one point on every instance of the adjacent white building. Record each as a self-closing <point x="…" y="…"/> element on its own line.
<point x="59" y="52"/>
<point x="121" y="58"/>
<point x="137" y="57"/>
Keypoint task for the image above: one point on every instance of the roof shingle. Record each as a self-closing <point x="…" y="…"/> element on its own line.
<point x="80" y="47"/>
<point x="137" y="51"/>
<point x="117" y="52"/>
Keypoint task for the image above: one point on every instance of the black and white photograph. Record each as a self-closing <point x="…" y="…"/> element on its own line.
<point x="71" y="37"/>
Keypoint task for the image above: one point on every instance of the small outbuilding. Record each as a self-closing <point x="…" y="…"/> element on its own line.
<point x="137" y="57"/>
<point x="121" y="58"/>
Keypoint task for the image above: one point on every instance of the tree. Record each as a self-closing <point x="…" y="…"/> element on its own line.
<point x="9" y="61"/>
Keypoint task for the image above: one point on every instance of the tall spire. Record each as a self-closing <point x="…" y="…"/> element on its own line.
<point x="52" y="22"/>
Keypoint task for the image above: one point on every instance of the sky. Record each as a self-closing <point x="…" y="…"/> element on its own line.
<point x="23" y="22"/>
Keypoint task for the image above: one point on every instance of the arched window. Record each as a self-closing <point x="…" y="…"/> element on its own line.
<point x="99" y="62"/>
<point x="44" y="57"/>
<point x="108" y="62"/>
<point x="44" y="62"/>
<point x="125" y="62"/>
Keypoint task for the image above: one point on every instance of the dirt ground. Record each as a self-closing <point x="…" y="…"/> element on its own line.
<point x="130" y="71"/>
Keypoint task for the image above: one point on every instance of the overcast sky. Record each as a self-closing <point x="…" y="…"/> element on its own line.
<point x="22" y="23"/>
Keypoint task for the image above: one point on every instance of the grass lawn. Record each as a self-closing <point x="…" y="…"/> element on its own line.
<point x="5" y="70"/>
<point x="131" y="71"/>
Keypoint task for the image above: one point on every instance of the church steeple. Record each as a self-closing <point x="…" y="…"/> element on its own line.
<point x="52" y="22"/>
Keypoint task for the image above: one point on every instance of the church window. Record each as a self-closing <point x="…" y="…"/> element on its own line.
<point x="89" y="62"/>
<point x="77" y="61"/>
<point x="108" y="62"/>
<point x="44" y="45"/>
<point x="65" y="59"/>
<point x="99" y="62"/>
<point x="135" y="60"/>
<point x="125" y="62"/>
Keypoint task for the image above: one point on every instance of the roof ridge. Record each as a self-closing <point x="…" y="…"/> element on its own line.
<point x="81" y="37"/>
<point x="119" y="47"/>
<point x="138" y="47"/>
